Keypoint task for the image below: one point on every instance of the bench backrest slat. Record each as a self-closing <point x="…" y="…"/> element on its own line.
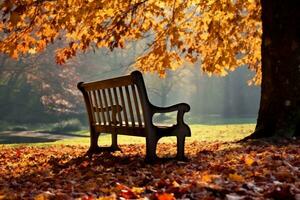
<point x="113" y="118"/>
<point x="91" y="103"/>
<point x="101" y="106"/>
<point x="97" y="114"/>
<point x="106" y="105"/>
<point x="123" y="106"/>
<point x="136" y="105"/>
<point x="129" y="106"/>
<point x="116" y="97"/>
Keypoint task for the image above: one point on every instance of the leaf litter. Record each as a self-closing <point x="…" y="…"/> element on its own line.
<point x="233" y="171"/>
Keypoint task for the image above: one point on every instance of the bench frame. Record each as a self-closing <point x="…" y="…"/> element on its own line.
<point x="151" y="132"/>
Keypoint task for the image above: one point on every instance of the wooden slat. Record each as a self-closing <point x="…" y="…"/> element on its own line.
<point x="97" y="108"/>
<point x="109" y="83"/>
<point x="123" y="105"/>
<point x="136" y="105"/>
<point x="92" y="110"/>
<point x="101" y="106"/>
<point x="111" y="104"/>
<point x="118" y="107"/>
<point x="106" y="105"/>
<point x="130" y="106"/>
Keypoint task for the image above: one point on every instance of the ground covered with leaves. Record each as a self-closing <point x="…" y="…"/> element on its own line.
<point x="257" y="170"/>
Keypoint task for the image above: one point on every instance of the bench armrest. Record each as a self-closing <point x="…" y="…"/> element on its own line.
<point x="181" y="108"/>
<point x="177" y="107"/>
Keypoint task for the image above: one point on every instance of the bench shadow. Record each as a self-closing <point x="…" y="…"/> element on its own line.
<point x="104" y="159"/>
<point x="107" y="160"/>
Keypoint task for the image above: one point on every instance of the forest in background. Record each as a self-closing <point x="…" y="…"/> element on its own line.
<point x="35" y="90"/>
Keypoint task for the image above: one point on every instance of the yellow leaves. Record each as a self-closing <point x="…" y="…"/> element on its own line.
<point x="111" y="197"/>
<point x="110" y="12"/>
<point x="204" y="36"/>
<point x="138" y="190"/>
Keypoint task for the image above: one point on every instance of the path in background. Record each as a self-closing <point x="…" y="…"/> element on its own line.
<point x="19" y="137"/>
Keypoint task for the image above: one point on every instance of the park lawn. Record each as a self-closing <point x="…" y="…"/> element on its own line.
<point x="208" y="133"/>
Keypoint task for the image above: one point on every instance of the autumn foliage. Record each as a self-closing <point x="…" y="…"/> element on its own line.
<point x="222" y="35"/>
<point x="215" y="171"/>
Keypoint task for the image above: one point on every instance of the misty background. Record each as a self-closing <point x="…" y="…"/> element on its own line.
<point x="35" y="91"/>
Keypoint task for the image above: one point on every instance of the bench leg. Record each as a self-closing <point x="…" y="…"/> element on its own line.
<point x="114" y="142"/>
<point x="94" y="147"/>
<point x="94" y="140"/>
<point x="180" y="148"/>
<point x="151" y="144"/>
<point x="93" y="143"/>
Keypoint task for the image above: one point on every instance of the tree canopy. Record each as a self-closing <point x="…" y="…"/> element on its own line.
<point x="220" y="34"/>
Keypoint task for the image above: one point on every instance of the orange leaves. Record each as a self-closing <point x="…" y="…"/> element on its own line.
<point x="62" y="55"/>
<point x="236" y="177"/>
<point x="222" y="34"/>
<point x="126" y="192"/>
<point x="14" y="18"/>
<point x="165" y="196"/>
<point x="215" y="171"/>
<point x="249" y="160"/>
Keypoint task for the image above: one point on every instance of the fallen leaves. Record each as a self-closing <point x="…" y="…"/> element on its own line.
<point x="165" y="196"/>
<point x="249" y="160"/>
<point x="236" y="177"/>
<point x="215" y="170"/>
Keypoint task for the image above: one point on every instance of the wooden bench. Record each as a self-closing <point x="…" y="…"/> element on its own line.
<point x="121" y="106"/>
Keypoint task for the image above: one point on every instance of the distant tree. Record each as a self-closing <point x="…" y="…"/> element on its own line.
<point x="223" y="34"/>
<point x="161" y="89"/>
<point x="38" y="80"/>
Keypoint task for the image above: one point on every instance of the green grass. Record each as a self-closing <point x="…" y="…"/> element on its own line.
<point x="207" y="133"/>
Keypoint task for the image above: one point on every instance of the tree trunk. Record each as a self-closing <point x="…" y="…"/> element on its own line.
<point x="279" y="113"/>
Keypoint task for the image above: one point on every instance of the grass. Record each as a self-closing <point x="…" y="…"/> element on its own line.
<point x="207" y="133"/>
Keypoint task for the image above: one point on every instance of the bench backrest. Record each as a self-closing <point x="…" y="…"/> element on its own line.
<point x="118" y="101"/>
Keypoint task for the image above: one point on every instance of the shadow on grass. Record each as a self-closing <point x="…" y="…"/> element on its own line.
<point x="25" y="137"/>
